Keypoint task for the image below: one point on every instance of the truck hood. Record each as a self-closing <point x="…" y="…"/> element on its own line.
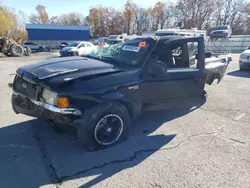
<point x="60" y="70"/>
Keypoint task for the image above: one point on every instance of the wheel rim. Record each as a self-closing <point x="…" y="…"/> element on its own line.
<point x="18" y="50"/>
<point x="109" y="129"/>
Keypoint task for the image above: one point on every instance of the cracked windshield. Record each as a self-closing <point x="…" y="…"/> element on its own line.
<point x="128" y="93"/>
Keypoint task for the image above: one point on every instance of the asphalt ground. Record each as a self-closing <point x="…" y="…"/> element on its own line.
<point x="207" y="146"/>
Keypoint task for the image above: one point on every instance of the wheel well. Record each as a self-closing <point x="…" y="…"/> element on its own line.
<point x="128" y="106"/>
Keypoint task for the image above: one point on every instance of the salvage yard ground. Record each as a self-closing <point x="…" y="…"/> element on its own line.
<point x="208" y="146"/>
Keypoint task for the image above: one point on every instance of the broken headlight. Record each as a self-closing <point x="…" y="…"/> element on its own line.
<point x="49" y="97"/>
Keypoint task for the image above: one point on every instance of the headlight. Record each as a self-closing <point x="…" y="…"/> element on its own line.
<point x="49" y="97"/>
<point x="243" y="56"/>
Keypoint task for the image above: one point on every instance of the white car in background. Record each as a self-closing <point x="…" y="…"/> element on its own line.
<point x="245" y="60"/>
<point x="77" y="49"/>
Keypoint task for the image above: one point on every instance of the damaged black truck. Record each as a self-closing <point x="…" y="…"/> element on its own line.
<point x="101" y="93"/>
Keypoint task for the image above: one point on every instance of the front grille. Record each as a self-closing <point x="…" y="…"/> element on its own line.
<point x="67" y="53"/>
<point x="24" y="87"/>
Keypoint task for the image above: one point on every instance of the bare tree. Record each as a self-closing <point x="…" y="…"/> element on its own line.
<point x="232" y="12"/>
<point x="72" y="18"/>
<point x="141" y="20"/>
<point x="195" y="13"/>
<point x="128" y="13"/>
<point x="41" y="17"/>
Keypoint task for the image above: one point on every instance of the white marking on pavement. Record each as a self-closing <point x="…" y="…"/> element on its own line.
<point x="239" y="117"/>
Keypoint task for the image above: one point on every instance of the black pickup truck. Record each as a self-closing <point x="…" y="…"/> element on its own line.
<point x="101" y="93"/>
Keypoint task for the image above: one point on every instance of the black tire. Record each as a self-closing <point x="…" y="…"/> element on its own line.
<point x="7" y="54"/>
<point x="27" y="51"/>
<point x="88" y="131"/>
<point x="16" y="50"/>
<point x="40" y="49"/>
<point x="76" y="53"/>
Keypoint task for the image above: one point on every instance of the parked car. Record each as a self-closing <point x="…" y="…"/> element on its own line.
<point x="222" y="31"/>
<point x="247" y="48"/>
<point x="33" y="46"/>
<point x="99" y="95"/>
<point x="77" y="49"/>
<point x="245" y="60"/>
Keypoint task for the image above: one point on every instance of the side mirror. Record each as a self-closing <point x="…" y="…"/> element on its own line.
<point x="229" y="59"/>
<point x="159" y="69"/>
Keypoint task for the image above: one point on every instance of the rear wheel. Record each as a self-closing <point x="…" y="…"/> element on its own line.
<point x="104" y="126"/>
<point x="27" y="51"/>
<point x="40" y="49"/>
<point x="76" y="53"/>
<point x="7" y="54"/>
<point x="16" y="50"/>
<point x="241" y="69"/>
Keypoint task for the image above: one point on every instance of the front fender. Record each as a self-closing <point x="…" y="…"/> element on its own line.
<point x="133" y="107"/>
<point x="112" y="96"/>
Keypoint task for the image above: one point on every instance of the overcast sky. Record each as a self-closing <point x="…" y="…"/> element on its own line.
<point x="57" y="7"/>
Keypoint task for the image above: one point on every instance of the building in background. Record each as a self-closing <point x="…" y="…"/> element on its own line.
<point x="52" y="36"/>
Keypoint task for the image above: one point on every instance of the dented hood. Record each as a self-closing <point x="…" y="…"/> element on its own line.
<point x="60" y="70"/>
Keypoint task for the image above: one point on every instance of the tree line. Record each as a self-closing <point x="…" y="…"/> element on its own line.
<point x="134" y="19"/>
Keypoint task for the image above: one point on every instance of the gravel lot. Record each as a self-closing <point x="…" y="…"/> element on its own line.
<point x="204" y="147"/>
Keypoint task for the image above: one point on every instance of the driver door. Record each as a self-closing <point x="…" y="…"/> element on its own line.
<point x="181" y="86"/>
<point x="81" y="48"/>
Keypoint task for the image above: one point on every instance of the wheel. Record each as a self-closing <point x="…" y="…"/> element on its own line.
<point x="27" y="51"/>
<point x="76" y="53"/>
<point x="241" y="69"/>
<point x="40" y="49"/>
<point x="16" y="50"/>
<point x="7" y="54"/>
<point x="104" y="126"/>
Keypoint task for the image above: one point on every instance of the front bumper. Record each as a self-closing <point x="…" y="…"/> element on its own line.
<point x="66" y="53"/>
<point x="219" y="35"/>
<point x="244" y="65"/>
<point x="24" y="105"/>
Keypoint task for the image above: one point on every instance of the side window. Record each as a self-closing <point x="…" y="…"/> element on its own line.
<point x="192" y="52"/>
<point x="89" y="45"/>
<point x="180" y="55"/>
<point x="82" y="45"/>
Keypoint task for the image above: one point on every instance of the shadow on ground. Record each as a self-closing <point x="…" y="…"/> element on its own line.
<point x="33" y="155"/>
<point x="238" y="73"/>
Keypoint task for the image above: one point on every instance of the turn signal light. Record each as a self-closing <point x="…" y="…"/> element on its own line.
<point x="63" y="102"/>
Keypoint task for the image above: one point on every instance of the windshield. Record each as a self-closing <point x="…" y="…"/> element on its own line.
<point x="73" y="44"/>
<point x="96" y="43"/>
<point x="113" y="42"/>
<point x="220" y="28"/>
<point x="129" y="54"/>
